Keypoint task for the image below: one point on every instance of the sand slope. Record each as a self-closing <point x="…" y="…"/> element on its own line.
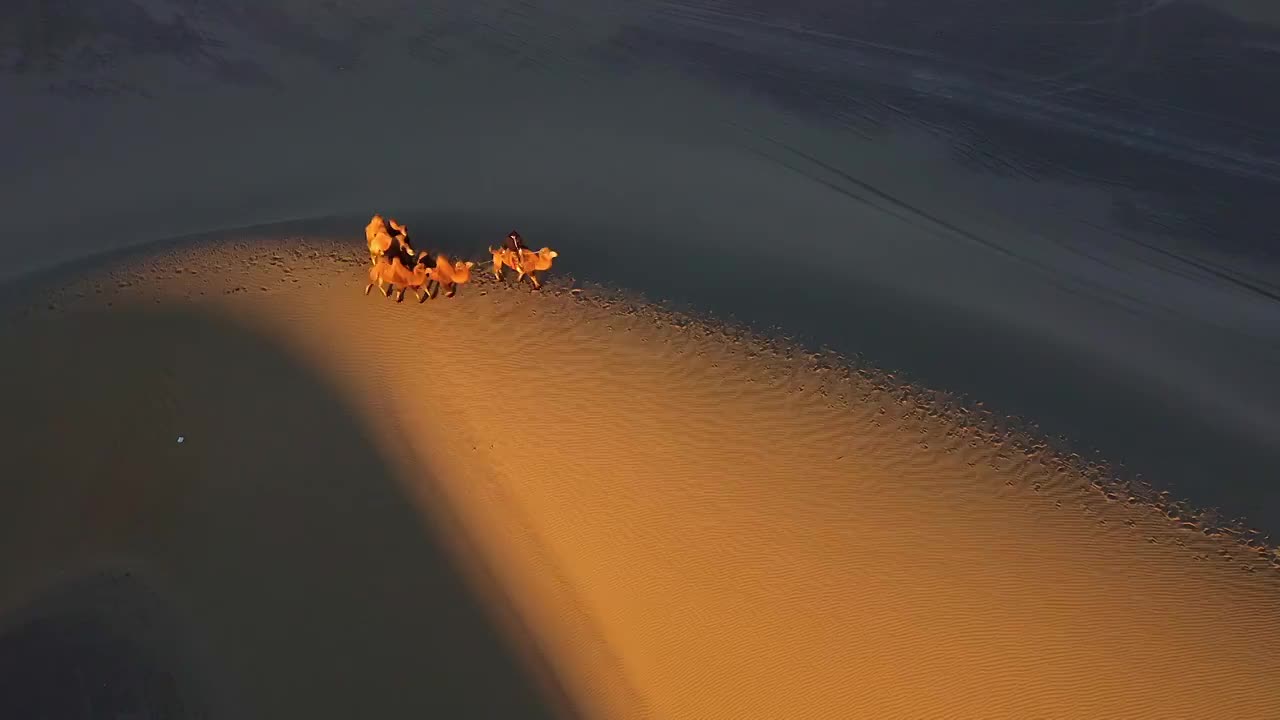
<point x="685" y="524"/>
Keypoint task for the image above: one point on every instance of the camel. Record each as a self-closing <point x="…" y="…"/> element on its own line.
<point x="450" y="275"/>
<point x="524" y="262"/>
<point x="386" y="241"/>
<point x="391" y="275"/>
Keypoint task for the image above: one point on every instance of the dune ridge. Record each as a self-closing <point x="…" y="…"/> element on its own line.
<point x="696" y="521"/>
<point x="777" y="355"/>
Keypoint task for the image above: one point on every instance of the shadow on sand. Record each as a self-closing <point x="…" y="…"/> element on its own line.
<point x="266" y="566"/>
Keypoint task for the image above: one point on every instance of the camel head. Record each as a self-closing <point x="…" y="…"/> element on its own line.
<point x="375" y="226"/>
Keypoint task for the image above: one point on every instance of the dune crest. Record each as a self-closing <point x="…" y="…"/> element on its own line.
<point x="698" y="525"/>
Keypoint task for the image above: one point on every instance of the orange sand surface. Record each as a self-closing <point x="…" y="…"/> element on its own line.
<point x="679" y="522"/>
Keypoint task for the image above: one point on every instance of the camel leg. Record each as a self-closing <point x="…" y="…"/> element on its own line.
<point x="400" y="296"/>
<point x="367" y="288"/>
<point x="386" y="289"/>
<point x="534" y="279"/>
<point x="421" y="293"/>
<point x="453" y="288"/>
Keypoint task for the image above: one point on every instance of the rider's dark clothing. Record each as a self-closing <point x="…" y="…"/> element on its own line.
<point x="513" y="241"/>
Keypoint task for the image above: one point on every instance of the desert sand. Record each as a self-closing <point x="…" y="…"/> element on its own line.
<point x="569" y="502"/>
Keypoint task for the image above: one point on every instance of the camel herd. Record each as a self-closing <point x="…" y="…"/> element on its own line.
<point x="396" y="268"/>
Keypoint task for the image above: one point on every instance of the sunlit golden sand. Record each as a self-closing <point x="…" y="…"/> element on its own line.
<point x="696" y="525"/>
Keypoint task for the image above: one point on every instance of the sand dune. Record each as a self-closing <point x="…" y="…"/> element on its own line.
<point x="669" y="520"/>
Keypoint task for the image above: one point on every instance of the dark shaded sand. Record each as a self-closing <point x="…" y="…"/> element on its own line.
<point x="677" y="521"/>
<point x="268" y="566"/>
<point x="101" y="647"/>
